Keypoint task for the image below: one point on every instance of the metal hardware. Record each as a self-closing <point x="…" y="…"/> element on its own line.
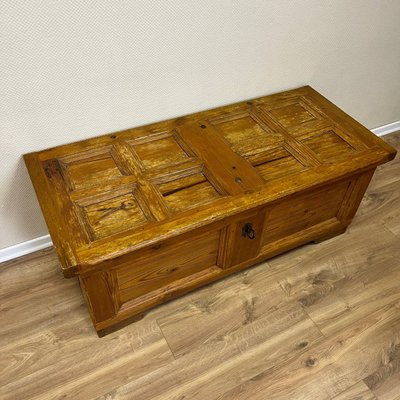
<point x="248" y="231"/>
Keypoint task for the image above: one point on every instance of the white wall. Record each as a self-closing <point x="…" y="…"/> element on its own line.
<point x="76" y="69"/>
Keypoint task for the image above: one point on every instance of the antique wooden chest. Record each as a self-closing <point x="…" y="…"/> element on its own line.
<point x="147" y="214"/>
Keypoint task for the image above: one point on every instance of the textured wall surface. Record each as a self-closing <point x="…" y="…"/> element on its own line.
<point x="70" y="70"/>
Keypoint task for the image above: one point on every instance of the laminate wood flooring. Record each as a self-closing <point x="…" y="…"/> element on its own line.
<point x="319" y="322"/>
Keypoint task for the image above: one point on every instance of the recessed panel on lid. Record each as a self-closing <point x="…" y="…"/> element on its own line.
<point x="276" y="164"/>
<point x="296" y="116"/>
<point x="162" y="152"/>
<point x="113" y="212"/>
<point x="328" y="145"/>
<point x="86" y="170"/>
<point x="248" y="136"/>
<point x="190" y="191"/>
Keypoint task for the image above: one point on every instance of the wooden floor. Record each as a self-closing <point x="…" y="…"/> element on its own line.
<point x="320" y="322"/>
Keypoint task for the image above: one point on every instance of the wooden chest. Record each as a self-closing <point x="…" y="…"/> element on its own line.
<point x="147" y="214"/>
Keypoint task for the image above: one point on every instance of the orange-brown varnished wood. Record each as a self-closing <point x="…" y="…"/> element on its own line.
<point x="303" y="210"/>
<point x="233" y="172"/>
<point x="160" y="265"/>
<point x="147" y="214"/>
<point x="101" y="294"/>
<point x="243" y="238"/>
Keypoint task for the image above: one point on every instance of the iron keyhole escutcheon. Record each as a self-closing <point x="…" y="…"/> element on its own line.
<point x="248" y="231"/>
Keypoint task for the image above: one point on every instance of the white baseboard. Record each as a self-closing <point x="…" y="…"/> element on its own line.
<point x="386" y="129"/>
<point x="42" y="242"/>
<point x="23" y="248"/>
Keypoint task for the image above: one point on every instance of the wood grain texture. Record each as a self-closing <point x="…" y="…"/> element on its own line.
<point x="257" y="178"/>
<point x="319" y="322"/>
<point x="359" y="391"/>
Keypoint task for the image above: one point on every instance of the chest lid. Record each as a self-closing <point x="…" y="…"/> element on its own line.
<point x="105" y="196"/>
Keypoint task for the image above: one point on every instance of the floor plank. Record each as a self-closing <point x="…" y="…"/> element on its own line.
<point x="209" y="370"/>
<point x="385" y="381"/>
<point x="387" y="387"/>
<point x="341" y="288"/>
<point x="381" y="205"/>
<point x="388" y="173"/>
<point x="332" y="366"/>
<point x="47" y="344"/>
<point x="359" y="391"/>
<point x="230" y="304"/>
